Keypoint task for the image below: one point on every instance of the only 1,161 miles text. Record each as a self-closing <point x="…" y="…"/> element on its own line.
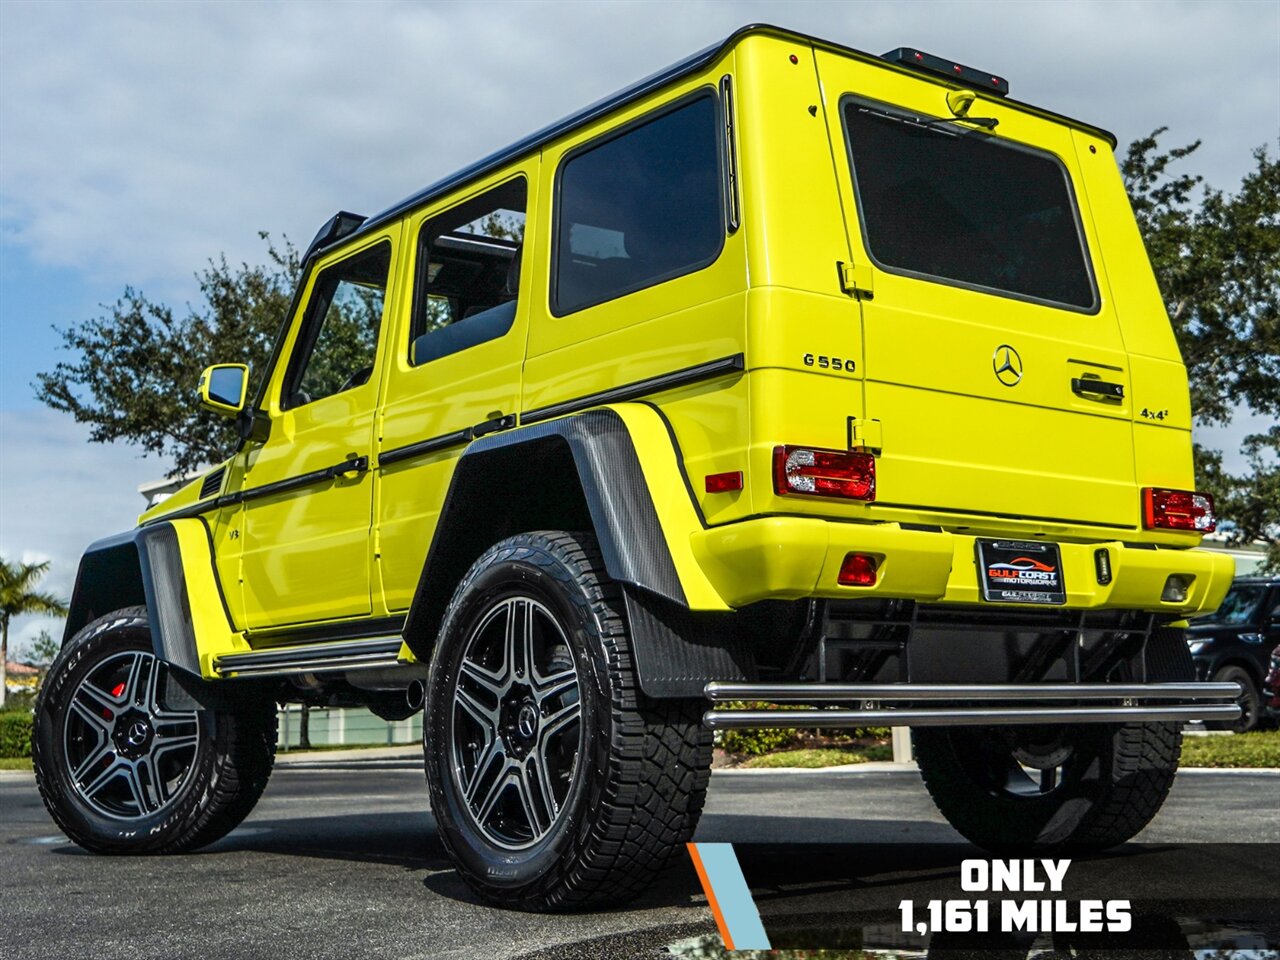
<point x="1012" y="916"/>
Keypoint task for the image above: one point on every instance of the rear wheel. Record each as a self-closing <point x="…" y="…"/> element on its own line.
<point x="1028" y="787"/>
<point x="555" y="782"/>
<point x="119" y="770"/>
<point x="1085" y="787"/>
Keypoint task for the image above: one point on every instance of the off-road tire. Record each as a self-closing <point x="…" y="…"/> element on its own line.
<point x="228" y="771"/>
<point x="641" y="774"/>
<point x="1250" y="700"/>
<point x="1114" y="782"/>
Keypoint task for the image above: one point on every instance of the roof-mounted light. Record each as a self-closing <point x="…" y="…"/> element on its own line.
<point x="958" y="72"/>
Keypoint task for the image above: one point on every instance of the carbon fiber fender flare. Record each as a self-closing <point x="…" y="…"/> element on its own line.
<point x="141" y="567"/>
<point x="509" y="482"/>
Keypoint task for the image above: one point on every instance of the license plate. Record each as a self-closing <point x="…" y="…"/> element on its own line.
<point x="1021" y="571"/>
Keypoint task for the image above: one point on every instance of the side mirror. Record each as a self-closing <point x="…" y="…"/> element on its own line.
<point x="223" y="387"/>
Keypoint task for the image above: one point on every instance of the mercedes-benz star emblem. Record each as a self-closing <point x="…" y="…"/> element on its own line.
<point x="527" y="721"/>
<point x="1007" y="365"/>
<point x="137" y="734"/>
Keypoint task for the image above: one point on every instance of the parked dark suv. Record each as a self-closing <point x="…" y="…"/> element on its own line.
<point x="1271" y="687"/>
<point x="1235" y="642"/>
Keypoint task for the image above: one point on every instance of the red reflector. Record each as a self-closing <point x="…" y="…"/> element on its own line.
<point x="724" y="482"/>
<point x="858" y="570"/>
<point x="824" y="473"/>
<point x="1177" y="510"/>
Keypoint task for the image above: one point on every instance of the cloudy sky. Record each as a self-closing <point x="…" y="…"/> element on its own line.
<point x="138" y="140"/>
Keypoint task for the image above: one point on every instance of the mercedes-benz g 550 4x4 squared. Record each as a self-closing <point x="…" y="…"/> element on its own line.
<point x="790" y="374"/>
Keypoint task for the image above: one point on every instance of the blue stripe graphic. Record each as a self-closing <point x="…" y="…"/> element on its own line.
<point x="736" y="906"/>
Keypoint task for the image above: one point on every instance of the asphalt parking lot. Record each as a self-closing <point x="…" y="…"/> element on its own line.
<point x="341" y="859"/>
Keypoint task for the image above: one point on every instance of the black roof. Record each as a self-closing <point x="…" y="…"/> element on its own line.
<point x="635" y="91"/>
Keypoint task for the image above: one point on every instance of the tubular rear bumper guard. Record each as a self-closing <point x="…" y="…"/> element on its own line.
<point x="963" y="705"/>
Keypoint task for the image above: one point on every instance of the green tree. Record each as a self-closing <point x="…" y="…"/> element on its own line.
<point x="1216" y="258"/>
<point x="19" y="596"/>
<point x="132" y="370"/>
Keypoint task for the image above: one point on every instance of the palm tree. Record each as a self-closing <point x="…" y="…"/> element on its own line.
<point x="18" y="596"/>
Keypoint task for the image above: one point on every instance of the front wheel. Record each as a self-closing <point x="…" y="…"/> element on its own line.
<point x="555" y="782"/>
<point x="121" y="771"/>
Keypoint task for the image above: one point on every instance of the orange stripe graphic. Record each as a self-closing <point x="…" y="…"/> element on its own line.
<point x="711" y="895"/>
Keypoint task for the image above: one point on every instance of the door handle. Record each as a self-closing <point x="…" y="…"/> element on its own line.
<point x="350" y="465"/>
<point x="1097" y="389"/>
<point x="501" y="422"/>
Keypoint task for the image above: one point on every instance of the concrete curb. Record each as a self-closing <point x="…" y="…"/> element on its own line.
<point x="344" y="756"/>
<point x="876" y="766"/>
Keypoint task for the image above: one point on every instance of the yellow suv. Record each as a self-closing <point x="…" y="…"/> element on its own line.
<point x="789" y="375"/>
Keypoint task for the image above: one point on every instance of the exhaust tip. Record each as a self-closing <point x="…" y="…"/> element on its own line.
<point x="415" y="695"/>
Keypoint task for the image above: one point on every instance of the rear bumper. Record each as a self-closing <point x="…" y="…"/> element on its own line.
<point x="794" y="557"/>
<point x="943" y="705"/>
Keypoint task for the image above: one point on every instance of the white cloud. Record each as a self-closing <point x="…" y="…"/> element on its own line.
<point x="59" y="493"/>
<point x="136" y="140"/>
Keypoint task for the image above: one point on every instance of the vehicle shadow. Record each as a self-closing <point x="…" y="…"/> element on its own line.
<point x="407" y="839"/>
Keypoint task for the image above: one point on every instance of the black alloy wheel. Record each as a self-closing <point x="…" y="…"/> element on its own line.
<point x="555" y="782"/>
<point x="120" y="769"/>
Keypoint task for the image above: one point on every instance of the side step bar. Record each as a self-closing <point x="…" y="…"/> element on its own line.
<point x="354" y="655"/>
<point x="969" y="704"/>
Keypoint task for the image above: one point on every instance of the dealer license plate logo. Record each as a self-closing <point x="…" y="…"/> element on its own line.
<point x="1021" y="571"/>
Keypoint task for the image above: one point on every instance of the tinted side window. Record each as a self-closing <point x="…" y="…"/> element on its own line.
<point x="339" y="339"/>
<point x="468" y="273"/>
<point x="638" y="209"/>
<point x="960" y="205"/>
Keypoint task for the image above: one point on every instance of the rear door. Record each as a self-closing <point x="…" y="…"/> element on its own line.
<point x="992" y="357"/>
<point x="455" y="370"/>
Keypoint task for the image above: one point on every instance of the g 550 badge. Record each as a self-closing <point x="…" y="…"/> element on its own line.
<point x="839" y="364"/>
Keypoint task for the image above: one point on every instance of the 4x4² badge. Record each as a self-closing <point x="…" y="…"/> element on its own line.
<point x="1007" y="365"/>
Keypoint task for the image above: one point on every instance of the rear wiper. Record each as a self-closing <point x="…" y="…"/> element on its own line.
<point x="987" y="123"/>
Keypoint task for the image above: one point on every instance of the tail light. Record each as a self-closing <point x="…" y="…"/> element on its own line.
<point x="824" y="473"/>
<point x="1177" y="510"/>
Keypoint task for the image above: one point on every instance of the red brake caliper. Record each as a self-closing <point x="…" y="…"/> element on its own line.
<point x="116" y="691"/>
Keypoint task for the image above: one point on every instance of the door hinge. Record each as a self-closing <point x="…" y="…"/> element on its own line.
<point x="855" y="280"/>
<point x="865" y="435"/>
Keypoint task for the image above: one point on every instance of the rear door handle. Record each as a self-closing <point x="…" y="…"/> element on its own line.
<point x="500" y="422"/>
<point x="1097" y="389"/>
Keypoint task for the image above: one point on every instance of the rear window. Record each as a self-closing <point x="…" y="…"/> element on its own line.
<point x="961" y="206"/>
<point x="640" y="208"/>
